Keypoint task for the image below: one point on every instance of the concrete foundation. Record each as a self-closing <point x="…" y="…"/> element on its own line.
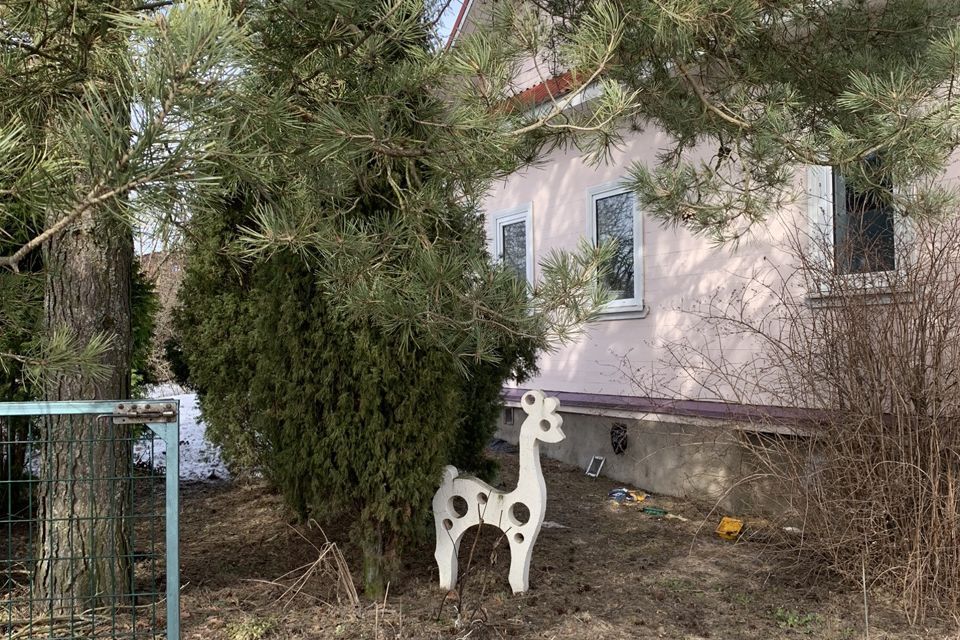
<point x="708" y="462"/>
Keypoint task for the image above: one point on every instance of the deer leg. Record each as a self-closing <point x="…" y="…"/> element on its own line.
<point x="521" y="552"/>
<point x="446" y="555"/>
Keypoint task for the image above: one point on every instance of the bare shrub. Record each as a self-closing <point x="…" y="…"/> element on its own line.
<point x="477" y="580"/>
<point x="329" y="569"/>
<point x="867" y="365"/>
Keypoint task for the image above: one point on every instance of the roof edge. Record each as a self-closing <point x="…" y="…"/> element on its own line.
<point x="458" y="23"/>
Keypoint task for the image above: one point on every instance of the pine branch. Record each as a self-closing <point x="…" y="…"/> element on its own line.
<point x="15" y="357"/>
<point x="97" y="195"/>
<point x="150" y="6"/>
<point x="737" y="122"/>
<point x="93" y="198"/>
<point x="29" y="48"/>
<point x="370" y="30"/>
<point x="169" y="168"/>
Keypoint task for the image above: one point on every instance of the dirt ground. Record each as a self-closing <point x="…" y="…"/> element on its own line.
<point x="250" y="573"/>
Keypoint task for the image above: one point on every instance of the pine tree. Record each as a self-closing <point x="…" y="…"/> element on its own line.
<point x="109" y="113"/>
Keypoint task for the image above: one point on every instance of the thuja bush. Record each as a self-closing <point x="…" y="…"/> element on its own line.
<point x="144" y="306"/>
<point x="869" y="364"/>
<point x="342" y="317"/>
<point x="338" y="415"/>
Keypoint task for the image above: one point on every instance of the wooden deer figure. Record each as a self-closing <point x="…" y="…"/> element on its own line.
<point x="463" y="501"/>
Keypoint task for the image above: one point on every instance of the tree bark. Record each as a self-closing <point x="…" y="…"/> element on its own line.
<point x="84" y="552"/>
<point x="380" y="562"/>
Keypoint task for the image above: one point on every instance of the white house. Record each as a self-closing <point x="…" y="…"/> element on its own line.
<point x="684" y="443"/>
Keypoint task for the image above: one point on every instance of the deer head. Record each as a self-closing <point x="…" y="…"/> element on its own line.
<point x="542" y="422"/>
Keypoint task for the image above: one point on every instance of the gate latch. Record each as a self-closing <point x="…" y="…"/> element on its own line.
<point x="145" y="413"/>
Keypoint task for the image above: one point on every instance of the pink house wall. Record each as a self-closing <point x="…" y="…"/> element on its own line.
<point x="679" y="270"/>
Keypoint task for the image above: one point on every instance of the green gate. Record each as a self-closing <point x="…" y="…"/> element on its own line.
<point x="89" y="509"/>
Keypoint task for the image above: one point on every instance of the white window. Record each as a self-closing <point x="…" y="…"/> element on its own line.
<point x="513" y="241"/>
<point x="855" y="232"/>
<point x="612" y="216"/>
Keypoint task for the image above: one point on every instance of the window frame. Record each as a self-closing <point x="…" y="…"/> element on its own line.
<point x="625" y="307"/>
<point x="522" y="213"/>
<point x="820" y="212"/>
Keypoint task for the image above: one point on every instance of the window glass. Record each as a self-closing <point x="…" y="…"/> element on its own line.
<point x="513" y="240"/>
<point x="614" y="222"/>
<point x="863" y="229"/>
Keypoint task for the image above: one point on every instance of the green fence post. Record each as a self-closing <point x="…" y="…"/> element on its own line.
<point x="172" y="439"/>
<point x="162" y="418"/>
<point x="170" y="433"/>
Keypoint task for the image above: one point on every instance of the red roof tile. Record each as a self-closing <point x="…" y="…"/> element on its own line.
<point x="543" y="91"/>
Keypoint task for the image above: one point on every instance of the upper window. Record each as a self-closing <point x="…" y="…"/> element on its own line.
<point x="855" y="229"/>
<point x="513" y="242"/>
<point x="613" y="218"/>
<point x="863" y="230"/>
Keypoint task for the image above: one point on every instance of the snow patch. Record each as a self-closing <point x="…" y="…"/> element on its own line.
<point x="200" y="460"/>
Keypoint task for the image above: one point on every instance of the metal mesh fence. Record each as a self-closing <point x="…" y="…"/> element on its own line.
<point x="88" y="519"/>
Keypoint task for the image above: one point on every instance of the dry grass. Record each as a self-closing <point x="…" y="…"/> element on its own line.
<point x="609" y="574"/>
<point x="871" y="470"/>
<point x="329" y="567"/>
<point x="20" y="621"/>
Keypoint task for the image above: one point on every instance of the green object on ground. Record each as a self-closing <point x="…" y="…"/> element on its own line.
<point x="655" y="511"/>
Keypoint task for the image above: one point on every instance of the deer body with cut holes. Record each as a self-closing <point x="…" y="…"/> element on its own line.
<point x="464" y="501"/>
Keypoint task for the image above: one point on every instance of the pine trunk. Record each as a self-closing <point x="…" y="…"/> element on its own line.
<point x="84" y="553"/>
<point x="380" y="562"/>
<point x="374" y="583"/>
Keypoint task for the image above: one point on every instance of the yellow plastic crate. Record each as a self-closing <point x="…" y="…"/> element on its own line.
<point x="729" y="528"/>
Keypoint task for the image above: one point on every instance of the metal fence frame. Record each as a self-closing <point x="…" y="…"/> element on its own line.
<point x="155" y="415"/>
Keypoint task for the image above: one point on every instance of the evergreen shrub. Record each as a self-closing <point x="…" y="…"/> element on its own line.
<point x="338" y="414"/>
